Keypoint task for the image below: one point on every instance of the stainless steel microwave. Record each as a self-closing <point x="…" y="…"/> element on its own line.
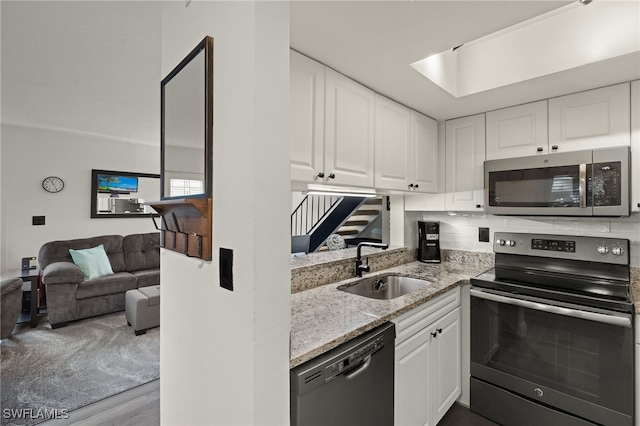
<point x="581" y="183"/>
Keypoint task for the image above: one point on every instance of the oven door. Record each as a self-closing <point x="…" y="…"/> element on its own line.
<point x="573" y="360"/>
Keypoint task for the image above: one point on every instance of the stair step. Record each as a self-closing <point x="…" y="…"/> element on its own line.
<point x="373" y="201"/>
<point x="347" y="232"/>
<point x="356" y="223"/>
<point x="366" y="212"/>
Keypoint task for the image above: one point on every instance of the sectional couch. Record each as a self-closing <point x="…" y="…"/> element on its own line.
<point x="134" y="259"/>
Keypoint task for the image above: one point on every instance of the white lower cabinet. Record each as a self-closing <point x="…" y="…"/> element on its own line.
<point x="428" y="361"/>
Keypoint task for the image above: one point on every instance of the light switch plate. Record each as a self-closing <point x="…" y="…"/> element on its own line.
<point x="226" y="268"/>
<point x="483" y="235"/>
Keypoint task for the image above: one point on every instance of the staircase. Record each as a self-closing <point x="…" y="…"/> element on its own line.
<point x="365" y="224"/>
<point x="355" y="218"/>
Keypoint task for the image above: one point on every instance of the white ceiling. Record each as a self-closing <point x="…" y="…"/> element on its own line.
<point x="374" y="42"/>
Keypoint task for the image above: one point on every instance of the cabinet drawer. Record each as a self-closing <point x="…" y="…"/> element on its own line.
<point x="418" y="318"/>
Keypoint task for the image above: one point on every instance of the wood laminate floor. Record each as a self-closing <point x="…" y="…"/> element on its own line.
<point x="459" y="415"/>
<point x="140" y="406"/>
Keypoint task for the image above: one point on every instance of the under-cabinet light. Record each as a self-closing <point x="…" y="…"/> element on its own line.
<point x="342" y="194"/>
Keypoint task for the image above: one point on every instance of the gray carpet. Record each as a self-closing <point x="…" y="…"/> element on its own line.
<point x="70" y="367"/>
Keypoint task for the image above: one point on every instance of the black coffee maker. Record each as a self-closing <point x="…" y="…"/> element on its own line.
<point x="429" y="242"/>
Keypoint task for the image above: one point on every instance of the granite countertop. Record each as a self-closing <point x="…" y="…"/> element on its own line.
<point x="325" y="317"/>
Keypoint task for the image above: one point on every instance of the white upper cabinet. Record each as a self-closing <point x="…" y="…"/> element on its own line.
<point x="424" y="153"/>
<point x="349" y="130"/>
<point x="392" y="145"/>
<point x="596" y="118"/>
<point x="635" y="146"/>
<point x="518" y="131"/>
<point x="307" y="118"/>
<point x="406" y="148"/>
<point x="465" y="153"/>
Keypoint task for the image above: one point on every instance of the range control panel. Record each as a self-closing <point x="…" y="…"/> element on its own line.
<point x="553" y="245"/>
<point x="576" y="247"/>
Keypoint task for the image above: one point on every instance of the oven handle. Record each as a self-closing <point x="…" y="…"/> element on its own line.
<point x="617" y="320"/>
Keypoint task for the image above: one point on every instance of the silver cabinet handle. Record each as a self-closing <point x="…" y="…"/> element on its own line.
<point x="620" y="320"/>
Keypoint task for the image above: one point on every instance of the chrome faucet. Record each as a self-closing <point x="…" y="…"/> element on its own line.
<point x="365" y="268"/>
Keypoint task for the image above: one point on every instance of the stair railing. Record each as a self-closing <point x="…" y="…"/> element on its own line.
<point x="310" y="212"/>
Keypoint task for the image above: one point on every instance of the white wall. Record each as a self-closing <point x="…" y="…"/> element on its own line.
<point x="29" y="155"/>
<point x="80" y="91"/>
<point x="460" y="232"/>
<point x="225" y="355"/>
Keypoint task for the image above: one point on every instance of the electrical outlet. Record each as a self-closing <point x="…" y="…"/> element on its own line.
<point x="226" y="268"/>
<point x="483" y="235"/>
<point x="37" y="220"/>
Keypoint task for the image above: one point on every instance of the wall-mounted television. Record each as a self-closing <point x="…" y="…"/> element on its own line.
<point x="117" y="184"/>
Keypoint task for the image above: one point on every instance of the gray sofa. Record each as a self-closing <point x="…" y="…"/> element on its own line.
<point x="135" y="261"/>
<point x="10" y="304"/>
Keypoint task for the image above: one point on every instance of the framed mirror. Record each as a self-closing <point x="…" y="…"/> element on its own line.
<point x="122" y="194"/>
<point x="187" y="126"/>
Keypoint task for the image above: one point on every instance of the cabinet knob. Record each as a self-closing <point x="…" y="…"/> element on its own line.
<point x="321" y="175"/>
<point x="410" y="185"/>
<point x="554" y="147"/>
<point x="416" y="186"/>
<point x="539" y="149"/>
<point x="434" y="334"/>
<point x="478" y="206"/>
<point x="439" y="331"/>
<point x="332" y="176"/>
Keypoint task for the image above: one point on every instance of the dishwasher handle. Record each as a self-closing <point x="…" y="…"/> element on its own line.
<point x="360" y="369"/>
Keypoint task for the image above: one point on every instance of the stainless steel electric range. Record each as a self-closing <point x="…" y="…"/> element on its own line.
<point x="552" y="332"/>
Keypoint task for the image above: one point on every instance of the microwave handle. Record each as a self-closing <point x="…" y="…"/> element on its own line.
<point x="582" y="177"/>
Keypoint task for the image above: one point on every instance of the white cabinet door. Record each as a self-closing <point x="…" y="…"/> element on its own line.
<point x="424" y="153"/>
<point x="635" y="146"/>
<point x="412" y="375"/>
<point x="349" y="129"/>
<point x="596" y="118"/>
<point x="518" y="131"/>
<point x="427" y="360"/>
<point x="307" y="118"/>
<point x="446" y="364"/>
<point x="465" y="145"/>
<point x="392" y="144"/>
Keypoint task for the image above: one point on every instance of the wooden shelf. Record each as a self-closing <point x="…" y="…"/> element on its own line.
<point x="186" y="225"/>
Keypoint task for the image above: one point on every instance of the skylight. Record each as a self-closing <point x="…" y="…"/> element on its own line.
<point x="568" y="37"/>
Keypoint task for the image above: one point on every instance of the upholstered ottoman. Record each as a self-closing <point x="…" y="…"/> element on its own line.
<point x="142" y="308"/>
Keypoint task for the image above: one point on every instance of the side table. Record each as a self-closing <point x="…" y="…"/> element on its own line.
<point x="28" y="276"/>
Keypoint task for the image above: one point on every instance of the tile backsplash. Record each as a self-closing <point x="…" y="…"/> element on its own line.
<point x="460" y="231"/>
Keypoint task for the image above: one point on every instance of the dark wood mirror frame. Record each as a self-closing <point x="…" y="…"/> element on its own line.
<point x="186" y="220"/>
<point x="94" y="194"/>
<point x="206" y="46"/>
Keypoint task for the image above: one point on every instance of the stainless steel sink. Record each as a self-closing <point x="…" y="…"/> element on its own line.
<point x="385" y="286"/>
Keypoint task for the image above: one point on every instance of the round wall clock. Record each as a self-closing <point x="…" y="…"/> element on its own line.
<point x="53" y="184"/>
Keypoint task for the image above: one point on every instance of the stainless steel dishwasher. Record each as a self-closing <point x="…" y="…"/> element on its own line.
<point x="349" y="385"/>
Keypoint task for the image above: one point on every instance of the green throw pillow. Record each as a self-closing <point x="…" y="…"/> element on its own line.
<point x="93" y="262"/>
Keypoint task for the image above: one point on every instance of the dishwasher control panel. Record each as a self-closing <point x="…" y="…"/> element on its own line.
<point x="353" y="359"/>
